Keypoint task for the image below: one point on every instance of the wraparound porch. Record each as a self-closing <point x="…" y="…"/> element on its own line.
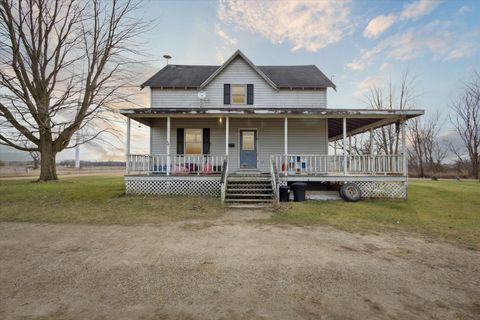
<point x="279" y="131"/>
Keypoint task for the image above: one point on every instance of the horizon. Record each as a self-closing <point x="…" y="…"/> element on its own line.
<point x="360" y="45"/>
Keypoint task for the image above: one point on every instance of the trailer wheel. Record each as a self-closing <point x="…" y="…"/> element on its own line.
<point x="351" y="192"/>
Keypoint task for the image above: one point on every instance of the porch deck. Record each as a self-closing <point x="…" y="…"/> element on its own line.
<point x="377" y="175"/>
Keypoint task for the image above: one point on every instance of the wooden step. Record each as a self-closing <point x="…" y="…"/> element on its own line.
<point x="246" y="182"/>
<point x="247" y="189"/>
<point x="244" y="178"/>
<point x="249" y="195"/>
<point x="249" y="206"/>
<point x="249" y="200"/>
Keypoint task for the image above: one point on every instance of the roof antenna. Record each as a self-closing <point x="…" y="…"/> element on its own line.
<point x="332" y="76"/>
<point x="167" y="57"/>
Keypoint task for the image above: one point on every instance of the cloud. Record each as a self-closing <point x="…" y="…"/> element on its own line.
<point x="227" y="39"/>
<point x="464" y="50"/>
<point x="309" y="25"/>
<point x="385" y="66"/>
<point x="413" y="10"/>
<point x="366" y="84"/>
<point x="379" y="25"/>
<point x="417" y="9"/>
<point x="464" y="10"/>
<point x="435" y="40"/>
<point x="356" y="66"/>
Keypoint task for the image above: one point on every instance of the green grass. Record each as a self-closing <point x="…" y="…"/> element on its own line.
<point x="95" y="200"/>
<point x="446" y="209"/>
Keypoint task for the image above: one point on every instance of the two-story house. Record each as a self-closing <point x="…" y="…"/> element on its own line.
<point x="240" y="130"/>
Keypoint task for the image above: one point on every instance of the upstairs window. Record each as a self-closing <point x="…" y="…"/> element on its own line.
<point x="239" y="94"/>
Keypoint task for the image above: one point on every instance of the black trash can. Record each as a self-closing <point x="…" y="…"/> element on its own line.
<point x="299" y="191"/>
<point x="284" y="193"/>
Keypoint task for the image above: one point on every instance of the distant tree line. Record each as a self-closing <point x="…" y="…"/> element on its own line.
<point x="65" y="163"/>
<point x="83" y="164"/>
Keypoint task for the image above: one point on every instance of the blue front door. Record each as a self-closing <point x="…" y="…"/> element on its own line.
<point x="248" y="149"/>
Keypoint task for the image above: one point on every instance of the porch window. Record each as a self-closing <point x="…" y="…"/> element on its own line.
<point x="239" y="94"/>
<point x="193" y="141"/>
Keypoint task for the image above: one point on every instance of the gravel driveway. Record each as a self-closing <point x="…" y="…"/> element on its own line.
<point x="230" y="268"/>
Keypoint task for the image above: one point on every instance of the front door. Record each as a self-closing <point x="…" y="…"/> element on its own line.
<point x="248" y="149"/>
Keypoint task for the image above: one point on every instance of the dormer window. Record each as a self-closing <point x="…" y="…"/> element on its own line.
<point x="239" y="94"/>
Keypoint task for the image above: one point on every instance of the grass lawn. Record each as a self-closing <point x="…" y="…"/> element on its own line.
<point x="95" y="200"/>
<point x="447" y="209"/>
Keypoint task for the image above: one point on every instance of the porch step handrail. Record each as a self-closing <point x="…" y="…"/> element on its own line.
<point x="292" y="164"/>
<point x="178" y="164"/>
<point x="274" y="177"/>
<point x="223" y="179"/>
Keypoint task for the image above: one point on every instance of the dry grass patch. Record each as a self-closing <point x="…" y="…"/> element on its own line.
<point x="96" y="200"/>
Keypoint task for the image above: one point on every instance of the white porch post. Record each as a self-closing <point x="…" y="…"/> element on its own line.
<point x="127" y="147"/>
<point x="227" y="130"/>
<point x="168" y="146"/>
<point x="372" y="163"/>
<point x="285" y="143"/>
<point x="404" y="149"/>
<point x="345" y="146"/>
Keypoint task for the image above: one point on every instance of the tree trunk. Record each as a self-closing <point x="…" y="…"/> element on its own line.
<point x="48" y="167"/>
<point x="475" y="169"/>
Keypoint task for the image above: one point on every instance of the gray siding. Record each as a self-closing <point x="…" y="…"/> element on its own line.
<point x="238" y="72"/>
<point x="305" y="136"/>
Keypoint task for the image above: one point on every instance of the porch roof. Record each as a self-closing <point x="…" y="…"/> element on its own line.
<point x="359" y="120"/>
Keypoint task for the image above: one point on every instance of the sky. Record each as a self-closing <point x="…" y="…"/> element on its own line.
<point x="359" y="44"/>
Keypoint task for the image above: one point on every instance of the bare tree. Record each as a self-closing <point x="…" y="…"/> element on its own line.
<point x="466" y="120"/>
<point x="387" y="138"/>
<point x="426" y="149"/>
<point x="35" y="155"/>
<point x="62" y="66"/>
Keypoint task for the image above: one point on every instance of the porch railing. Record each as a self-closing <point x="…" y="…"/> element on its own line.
<point x="338" y="164"/>
<point x="174" y="164"/>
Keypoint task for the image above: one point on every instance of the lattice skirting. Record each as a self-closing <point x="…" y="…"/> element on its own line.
<point x="375" y="189"/>
<point x="173" y="185"/>
<point x="383" y="189"/>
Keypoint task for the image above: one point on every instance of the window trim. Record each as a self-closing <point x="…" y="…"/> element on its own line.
<point x="185" y="142"/>
<point x="244" y="90"/>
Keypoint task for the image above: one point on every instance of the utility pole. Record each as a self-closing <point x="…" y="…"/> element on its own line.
<point x="77" y="150"/>
<point x="77" y="136"/>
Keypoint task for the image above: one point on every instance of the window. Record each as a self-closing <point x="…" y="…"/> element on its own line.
<point x="193" y="141"/>
<point x="239" y="94"/>
<point x="248" y="140"/>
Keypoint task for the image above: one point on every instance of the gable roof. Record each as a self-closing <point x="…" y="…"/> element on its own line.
<point x="180" y="76"/>
<point x="238" y="53"/>
<point x="199" y="76"/>
<point x="308" y="76"/>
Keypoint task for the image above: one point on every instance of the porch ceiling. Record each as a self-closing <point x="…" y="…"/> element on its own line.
<point x="358" y="120"/>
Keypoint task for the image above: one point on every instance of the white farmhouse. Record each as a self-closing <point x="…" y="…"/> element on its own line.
<point x="240" y="131"/>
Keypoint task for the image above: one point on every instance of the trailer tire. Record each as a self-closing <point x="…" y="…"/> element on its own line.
<point x="350" y="192"/>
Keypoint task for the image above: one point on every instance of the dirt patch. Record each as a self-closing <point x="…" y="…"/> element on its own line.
<point x="231" y="268"/>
